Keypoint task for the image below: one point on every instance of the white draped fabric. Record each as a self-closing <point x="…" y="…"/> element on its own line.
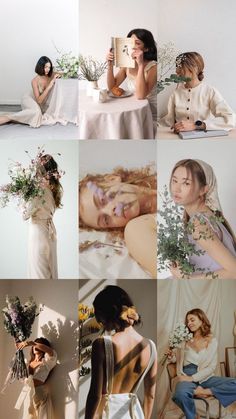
<point x="175" y="298"/>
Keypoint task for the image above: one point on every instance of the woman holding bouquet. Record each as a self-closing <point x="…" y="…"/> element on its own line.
<point x="35" y="104"/>
<point x="195" y="105"/>
<point x="193" y="185"/>
<point x="142" y="80"/>
<point x="42" y="247"/>
<point x="196" y="362"/>
<point x="121" y="360"/>
<point x="37" y="402"/>
<point x="123" y="201"/>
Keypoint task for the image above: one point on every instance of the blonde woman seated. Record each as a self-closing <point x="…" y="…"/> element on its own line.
<point x="196" y="362"/>
<point x="37" y="401"/>
<point x="124" y="201"/>
<point x="121" y="360"/>
<point x="193" y="185"/>
<point x="195" y="105"/>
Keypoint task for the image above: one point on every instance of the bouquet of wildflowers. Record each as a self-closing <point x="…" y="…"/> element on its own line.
<point x="18" y="321"/>
<point x="166" y="61"/>
<point x="68" y="64"/>
<point x="90" y="69"/>
<point x="87" y="326"/>
<point x="180" y="334"/>
<point x="173" y="238"/>
<point x="26" y="182"/>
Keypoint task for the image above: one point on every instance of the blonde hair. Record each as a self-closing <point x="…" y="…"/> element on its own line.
<point x="191" y="61"/>
<point x="145" y="177"/>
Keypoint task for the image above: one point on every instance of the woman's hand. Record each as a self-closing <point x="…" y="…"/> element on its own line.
<point x="170" y="353"/>
<point x="188" y="378"/>
<point x="184" y="126"/>
<point x="52" y="82"/>
<point x="176" y="271"/>
<point x="110" y="56"/>
<point x="137" y="55"/>
<point x="22" y="345"/>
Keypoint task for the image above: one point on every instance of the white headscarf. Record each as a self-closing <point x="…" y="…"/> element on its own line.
<point x="212" y="198"/>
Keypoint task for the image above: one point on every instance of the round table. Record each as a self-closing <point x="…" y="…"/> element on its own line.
<point x="64" y="101"/>
<point x="117" y="118"/>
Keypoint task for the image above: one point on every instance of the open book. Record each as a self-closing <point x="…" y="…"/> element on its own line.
<point x="122" y="49"/>
<point x="189" y="135"/>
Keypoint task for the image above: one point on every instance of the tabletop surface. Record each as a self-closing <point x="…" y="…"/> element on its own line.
<point x="165" y="133"/>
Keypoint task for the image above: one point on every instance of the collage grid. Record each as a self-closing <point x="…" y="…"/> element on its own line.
<point x="117" y="201"/>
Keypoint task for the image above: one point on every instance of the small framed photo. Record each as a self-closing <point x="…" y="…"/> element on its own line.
<point x="222" y="369"/>
<point x="230" y="361"/>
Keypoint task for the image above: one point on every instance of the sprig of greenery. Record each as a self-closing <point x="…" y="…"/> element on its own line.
<point x="167" y="81"/>
<point x="174" y="245"/>
<point x="90" y="69"/>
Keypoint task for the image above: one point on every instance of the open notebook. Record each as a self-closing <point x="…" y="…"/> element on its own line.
<point x="189" y="135"/>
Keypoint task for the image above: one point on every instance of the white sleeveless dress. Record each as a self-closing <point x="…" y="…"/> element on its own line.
<point x="123" y="405"/>
<point x="152" y="97"/>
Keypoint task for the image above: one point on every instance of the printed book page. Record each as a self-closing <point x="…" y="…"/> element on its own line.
<point x="123" y="48"/>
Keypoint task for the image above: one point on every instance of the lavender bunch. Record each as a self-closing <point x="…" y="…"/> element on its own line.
<point x="18" y="322"/>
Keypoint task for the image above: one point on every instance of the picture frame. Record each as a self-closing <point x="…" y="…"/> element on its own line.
<point x="230" y="361"/>
<point x="222" y="369"/>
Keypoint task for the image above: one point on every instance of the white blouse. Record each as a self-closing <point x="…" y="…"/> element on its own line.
<point x="191" y="356"/>
<point x="203" y="103"/>
<point x="42" y="371"/>
<point x="207" y="361"/>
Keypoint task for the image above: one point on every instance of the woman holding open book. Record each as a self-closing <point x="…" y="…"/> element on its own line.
<point x="195" y="105"/>
<point x="142" y="79"/>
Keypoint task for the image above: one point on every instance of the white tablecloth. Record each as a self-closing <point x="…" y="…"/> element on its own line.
<point x="64" y="101"/>
<point x="118" y="118"/>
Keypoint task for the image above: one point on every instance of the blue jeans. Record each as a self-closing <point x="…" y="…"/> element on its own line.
<point x="223" y="388"/>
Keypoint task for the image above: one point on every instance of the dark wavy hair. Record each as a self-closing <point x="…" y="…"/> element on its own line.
<point x="109" y="305"/>
<point x="206" y="325"/>
<point x="147" y="38"/>
<point x="52" y="174"/>
<point x="42" y="340"/>
<point x="39" y="68"/>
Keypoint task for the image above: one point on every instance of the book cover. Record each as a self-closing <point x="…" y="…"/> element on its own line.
<point x="122" y="49"/>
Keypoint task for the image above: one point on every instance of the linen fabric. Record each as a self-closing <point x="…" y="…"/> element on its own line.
<point x="203" y="103"/>
<point x="42" y="244"/>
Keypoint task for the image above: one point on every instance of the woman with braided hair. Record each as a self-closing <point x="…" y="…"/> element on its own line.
<point x="121" y="360"/>
<point x="194" y="105"/>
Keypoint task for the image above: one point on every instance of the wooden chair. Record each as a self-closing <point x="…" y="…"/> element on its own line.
<point x="171" y="370"/>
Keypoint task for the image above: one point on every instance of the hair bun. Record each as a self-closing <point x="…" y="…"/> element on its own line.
<point x="129" y="314"/>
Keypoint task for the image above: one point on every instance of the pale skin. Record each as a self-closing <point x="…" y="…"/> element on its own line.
<point x="39" y="349"/>
<point x="101" y="213"/>
<point x="198" y="343"/>
<point x="187" y="125"/>
<point x="45" y="82"/>
<point x="131" y="356"/>
<point x="144" y="85"/>
<point x="188" y="193"/>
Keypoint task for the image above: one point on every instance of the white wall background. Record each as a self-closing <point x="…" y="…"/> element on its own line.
<point x="208" y="27"/>
<point x="147" y="308"/>
<point x="58" y="323"/>
<point x="14" y="231"/>
<point x="28" y="30"/>
<point x="100" y="20"/>
<point x="220" y="154"/>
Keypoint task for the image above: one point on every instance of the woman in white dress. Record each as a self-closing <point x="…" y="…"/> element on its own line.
<point x="194" y="104"/>
<point x="35" y="103"/>
<point x="141" y="80"/>
<point x="42" y="247"/>
<point x="121" y="360"/>
<point x="35" y="394"/>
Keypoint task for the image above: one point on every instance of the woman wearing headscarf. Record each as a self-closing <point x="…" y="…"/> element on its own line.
<point x="193" y="185"/>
